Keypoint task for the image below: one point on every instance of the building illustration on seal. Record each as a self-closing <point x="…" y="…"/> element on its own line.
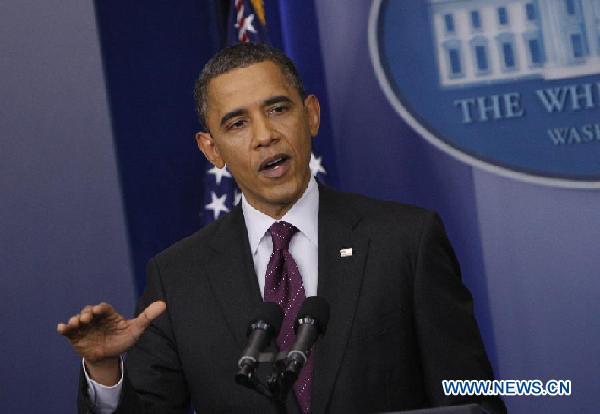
<point x="484" y="41"/>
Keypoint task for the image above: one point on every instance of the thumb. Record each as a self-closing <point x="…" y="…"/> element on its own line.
<point x="153" y="311"/>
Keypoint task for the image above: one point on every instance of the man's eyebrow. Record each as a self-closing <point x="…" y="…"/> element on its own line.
<point x="276" y="99"/>
<point x="232" y="114"/>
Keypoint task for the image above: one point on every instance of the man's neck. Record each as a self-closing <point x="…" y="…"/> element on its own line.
<point x="278" y="211"/>
<point x="303" y="215"/>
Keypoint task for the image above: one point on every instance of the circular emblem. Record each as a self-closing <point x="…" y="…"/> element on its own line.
<point x="509" y="86"/>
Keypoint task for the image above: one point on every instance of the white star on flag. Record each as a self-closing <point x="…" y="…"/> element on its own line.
<point x="217" y="204"/>
<point x="315" y="165"/>
<point x="219" y="173"/>
<point x="237" y="197"/>
<point x="248" y="24"/>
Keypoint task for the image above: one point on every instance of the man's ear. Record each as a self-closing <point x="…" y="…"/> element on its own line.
<point x="206" y="144"/>
<point x="313" y="112"/>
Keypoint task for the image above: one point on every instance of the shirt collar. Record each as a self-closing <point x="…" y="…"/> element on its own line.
<point x="304" y="214"/>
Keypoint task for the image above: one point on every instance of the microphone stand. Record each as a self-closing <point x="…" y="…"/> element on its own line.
<point x="310" y="323"/>
<point x="275" y="391"/>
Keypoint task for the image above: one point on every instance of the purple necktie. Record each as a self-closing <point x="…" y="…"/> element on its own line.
<point x="283" y="285"/>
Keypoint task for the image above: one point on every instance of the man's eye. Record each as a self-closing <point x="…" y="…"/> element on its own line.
<point x="240" y="123"/>
<point x="279" y="109"/>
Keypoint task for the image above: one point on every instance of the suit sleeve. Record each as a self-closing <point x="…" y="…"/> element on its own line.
<point x="153" y="380"/>
<point x="448" y="335"/>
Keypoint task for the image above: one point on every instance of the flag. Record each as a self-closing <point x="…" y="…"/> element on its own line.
<point x="251" y="21"/>
<point x="247" y="22"/>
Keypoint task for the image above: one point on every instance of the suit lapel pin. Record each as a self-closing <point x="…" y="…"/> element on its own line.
<point x="346" y="252"/>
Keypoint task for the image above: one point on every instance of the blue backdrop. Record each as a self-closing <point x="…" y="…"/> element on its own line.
<point x="99" y="171"/>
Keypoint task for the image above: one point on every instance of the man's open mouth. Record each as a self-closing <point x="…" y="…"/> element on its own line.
<point x="273" y="162"/>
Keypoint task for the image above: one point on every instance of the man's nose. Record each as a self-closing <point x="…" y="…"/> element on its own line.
<point x="263" y="132"/>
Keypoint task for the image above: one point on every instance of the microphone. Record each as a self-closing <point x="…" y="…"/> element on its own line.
<point x="261" y="330"/>
<point x="311" y="322"/>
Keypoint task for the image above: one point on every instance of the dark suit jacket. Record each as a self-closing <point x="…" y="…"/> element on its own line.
<point x="401" y="319"/>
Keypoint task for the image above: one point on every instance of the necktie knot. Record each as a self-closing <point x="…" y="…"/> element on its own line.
<point x="281" y="234"/>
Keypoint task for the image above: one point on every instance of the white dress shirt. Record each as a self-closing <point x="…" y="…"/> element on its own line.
<point x="105" y="399"/>
<point x="304" y="248"/>
<point x="304" y="214"/>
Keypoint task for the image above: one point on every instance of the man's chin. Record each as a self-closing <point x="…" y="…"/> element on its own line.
<point x="281" y="200"/>
<point x="286" y="193"/>
<point x="275" y="203"/>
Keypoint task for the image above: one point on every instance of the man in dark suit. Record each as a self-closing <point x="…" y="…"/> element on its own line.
<point x="401" y="319"/>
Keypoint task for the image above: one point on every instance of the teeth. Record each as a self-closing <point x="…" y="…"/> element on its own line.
<point x="273" y="162"/>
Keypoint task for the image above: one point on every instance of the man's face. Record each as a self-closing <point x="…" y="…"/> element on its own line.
<point x="262" y="130"/>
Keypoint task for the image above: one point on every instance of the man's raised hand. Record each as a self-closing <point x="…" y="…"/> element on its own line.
<point x="100" y="335"/>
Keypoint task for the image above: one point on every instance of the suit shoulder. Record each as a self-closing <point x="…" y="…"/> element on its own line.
<point x="384" y="211"/>
<point x="196" y="245"/>
<point x="389" y="222"/>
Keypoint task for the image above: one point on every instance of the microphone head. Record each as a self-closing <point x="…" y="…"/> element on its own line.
<point x="317" y="308"/>
<point x="270" y="313"/>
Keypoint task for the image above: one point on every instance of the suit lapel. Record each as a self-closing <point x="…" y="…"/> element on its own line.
<point x="232" y="276"/>
<point x="340" y="280"/>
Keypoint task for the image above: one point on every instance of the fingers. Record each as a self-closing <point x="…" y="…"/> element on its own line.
<point x="102" y="309"/>
<point x="83" y="318"/>
<point x="86" y="315"/>
<point x="153" y="311"/>
<point x="71" y="326"/>
<point x="62" y="328"/>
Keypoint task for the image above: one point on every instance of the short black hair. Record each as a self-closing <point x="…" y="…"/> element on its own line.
<point x="242" y="55"/>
